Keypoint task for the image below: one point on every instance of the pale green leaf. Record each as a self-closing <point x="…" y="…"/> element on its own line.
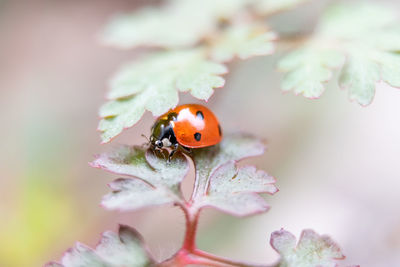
<point x="124" y="249"/>
<point x="131" y="194"/>
<point x="153" y="180"/>
<point x="312" y="250"/>
<point x="359" y="76"/>
<point x="153" y="83"/>
<point x="243" y="41"/>
<point x="308" y="69"/>
<point x="233" y="190"/>
<point x="390" y="68"/>
<point x="82" y="256"/>
<point x="216" y="185"/>
<point x="178" y="23"/>
<point x="266" y="7"/>
<point x="367" y="34"/>
<point x="155" y="27"/>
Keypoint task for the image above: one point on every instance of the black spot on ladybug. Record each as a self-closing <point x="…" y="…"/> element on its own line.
<point x="172" y="116"/>
<point x="200" y="115"/>
<point x="197" y="136"/>
<point x="219" y="130"/>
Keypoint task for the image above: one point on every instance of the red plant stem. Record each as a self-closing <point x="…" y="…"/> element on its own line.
<point x="183" y="258"/>
<point x="190" y="254"/>
<point x="192" y="220"/>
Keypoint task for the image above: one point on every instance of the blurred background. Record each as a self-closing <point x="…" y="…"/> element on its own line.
<point x="336" y="163"/>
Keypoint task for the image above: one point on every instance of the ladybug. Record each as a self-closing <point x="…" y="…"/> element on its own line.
<point x="186" y="126"/>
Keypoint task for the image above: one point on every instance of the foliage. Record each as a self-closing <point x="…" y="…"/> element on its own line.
<point x="363" y="36"/>
<point x="151" y="180"/>
<point x="124" y="249"/>
<point x="219" y="183"/>
<point x="311" y="249"/>
<point x="153" y="84"/>
<point x="360" y="38"/>
<point x="242" y="40"/>
<point x="183" y="23"/>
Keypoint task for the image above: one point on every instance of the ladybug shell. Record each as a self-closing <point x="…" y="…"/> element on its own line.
<point x="194" y="126"/>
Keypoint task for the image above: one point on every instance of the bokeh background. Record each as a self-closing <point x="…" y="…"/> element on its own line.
<point x="337" y="164"/>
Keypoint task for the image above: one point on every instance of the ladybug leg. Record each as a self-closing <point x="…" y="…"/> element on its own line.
<point x="162" y="153"/>
<point x="175" y="148"/>
<point x="187" y="150"/>
<point x="159" y="152"/>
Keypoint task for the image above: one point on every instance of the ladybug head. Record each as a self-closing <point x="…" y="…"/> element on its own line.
<point x="156" y="143"/>
<point x="162" y="134"/>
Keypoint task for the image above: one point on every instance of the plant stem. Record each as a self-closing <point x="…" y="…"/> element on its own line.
<point x="183" y="258"/>
<point x="190" y="254"/>
<point x="192" y="220"/>
<point x="198" y="257"/>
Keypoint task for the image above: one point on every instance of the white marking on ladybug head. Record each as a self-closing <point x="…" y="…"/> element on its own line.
<point x="166" y="142"/>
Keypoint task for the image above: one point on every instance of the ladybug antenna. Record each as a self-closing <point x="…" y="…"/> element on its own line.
<point x="146" y="144"/>
<point x="146" y="138"/>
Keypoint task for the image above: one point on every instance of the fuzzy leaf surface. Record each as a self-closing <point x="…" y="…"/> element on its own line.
<point x="366" y="34"/>
<point x="243" y="41"/>
<point x="179" y="23"/>
<point x="312" y="250"/>
<point x="234" y="190"/>
<point x="152" y="181"/>
<point x="220" y="184"/>
<point x="124" y="249"/>
<point x="153" y="83"/>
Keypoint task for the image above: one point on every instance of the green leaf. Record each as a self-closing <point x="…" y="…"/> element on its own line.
<point x="124" y="249"/>
<point x="267" y="7"/>
<point x="153" y="84"/>
<point x="132" y="194"/>
<point x="221" y="185"/>
<point x="366" y="34"/>
<point x="359" y="76"/>
<point x="311" y="250"/>
<point x="152" y="180"/>
<point x="308" y="69"/>
<point x="178" y="23"/>
<point x="243" y="41"/>
<point x="234" y="190"/>
<point x="390" y="68"/>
